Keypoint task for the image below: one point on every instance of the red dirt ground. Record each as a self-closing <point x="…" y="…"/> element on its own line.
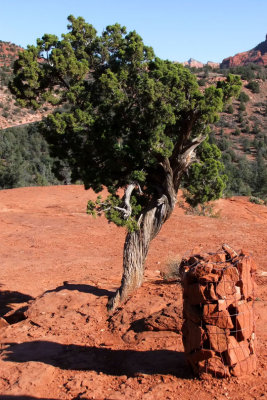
<point x="58" y="266"/>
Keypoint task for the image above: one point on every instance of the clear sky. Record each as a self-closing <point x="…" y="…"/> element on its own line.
<point x="207" y="30"/>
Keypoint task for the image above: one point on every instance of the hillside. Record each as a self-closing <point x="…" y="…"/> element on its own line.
<point x="58" y="267"/>
<point x="10" y="113"/>
<point x="258" y="55"/>
<point x="8" y="53"/>
<point x="241" y="132"/>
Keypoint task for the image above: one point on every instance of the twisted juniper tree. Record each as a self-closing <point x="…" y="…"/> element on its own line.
<point x="128" y="120"/>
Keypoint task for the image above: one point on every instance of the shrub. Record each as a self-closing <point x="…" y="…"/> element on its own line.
<point x="5" y="114"/>
<point x="242" y="106"/>
<point x="256" y="200"/>
<point x="230" y="109"/>
<point x="243" y="97"/>
<point x="256" y="129"/>
<point x="236" y="132"/>
<point x="204" y="210"/>
<point x="253" y="86"/>
<point x="240" y="117"/>
<point x="202" y="82"/>
<point x="171" y="270"/>
<point x="246" y="144"/>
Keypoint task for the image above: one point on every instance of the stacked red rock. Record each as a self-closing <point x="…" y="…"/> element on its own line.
<point x="219" y="327"/>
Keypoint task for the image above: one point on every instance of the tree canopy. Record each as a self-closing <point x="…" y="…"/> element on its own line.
<point x="125" y="109"/>
<point x="128" y="120"/>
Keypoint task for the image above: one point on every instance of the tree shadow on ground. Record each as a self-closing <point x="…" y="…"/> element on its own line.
<point x="81" y="288"/>
<point x="105" y="360"/>
<point x="8" y="297"/>
<point x="19" y="397"/>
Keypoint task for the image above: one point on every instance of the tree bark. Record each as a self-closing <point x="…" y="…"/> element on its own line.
<point x="151" y="220"/>
<point x="136" y="248"/>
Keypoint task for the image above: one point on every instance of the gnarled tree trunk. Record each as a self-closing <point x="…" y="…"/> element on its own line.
<point x="150" y="222"/>
<point x="137" y="243"/>
<point x="136" y="248"/>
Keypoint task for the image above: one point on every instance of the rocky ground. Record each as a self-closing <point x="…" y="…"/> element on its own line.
<point x="58" y="267"/>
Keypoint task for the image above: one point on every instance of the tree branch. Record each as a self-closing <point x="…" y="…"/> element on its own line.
<point x="168" y="184"/>
<point x="185" y="159"/>
<point x="127" y="210"/>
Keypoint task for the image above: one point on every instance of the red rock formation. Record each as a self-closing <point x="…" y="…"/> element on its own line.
<point x="213" y="64"/>
<point x="193" y="63"/>
<point x="258" y="55"/>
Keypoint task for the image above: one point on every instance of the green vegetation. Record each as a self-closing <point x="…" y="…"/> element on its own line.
<point x="25" y="159"/>
<point x="254" y="86"/>
<point x="245" y="177"/>
<point x="230" y="109"/>
<point x="130" y="121"/>
<point x="250" y="145"/>
<point x="256" y="200"/>
<point x="247" y="72"/>
<point x="243" y="97"/>
<point x="115" y="122"/>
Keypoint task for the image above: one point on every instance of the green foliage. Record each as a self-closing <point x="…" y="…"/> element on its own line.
<point x="236" y="132"/>
<point x="202" y="82"/>
<point x="240" y="116"/>
<point x="254" y="86"/>
<point x="246" y="144"/>
<point x="231" y="87"/>
<point x="125" y="113"/>
<point x="248" y="72"/>
<point x="243" y="97"/>
<point x="230" y="109"/>
<point x="203" y="210"/>
<point x="111" y="207"/>
<point x="242" y="106"/>
<point x="256" y="200"/>
<point x="24" y="158"/>
<point x="206" y="180"/>
<point x="256" y="128"/>
<point x="245" y="177"/>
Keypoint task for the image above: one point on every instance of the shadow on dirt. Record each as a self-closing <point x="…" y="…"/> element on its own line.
<point x="19" y="397"/>
<point x="8" y="297"/>
<point x="105" y="360"/>
<point x="81" y="288"/>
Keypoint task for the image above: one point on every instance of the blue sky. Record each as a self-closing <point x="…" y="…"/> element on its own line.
<point x="207" y="30"/>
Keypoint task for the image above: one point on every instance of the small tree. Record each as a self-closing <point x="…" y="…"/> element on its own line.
<point x="254" y="86"/>
<point x="133" y="121"/>
<point x="243" y="97"/>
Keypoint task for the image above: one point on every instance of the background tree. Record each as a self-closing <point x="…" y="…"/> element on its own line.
<point x="131" y="121"/>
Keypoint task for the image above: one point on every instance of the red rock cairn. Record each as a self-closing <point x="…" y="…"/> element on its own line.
<point x="219" y="326"/>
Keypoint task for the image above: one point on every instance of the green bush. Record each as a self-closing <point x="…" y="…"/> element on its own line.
<point x="256" y="200"/>
<point x="230" y="109"/>
<point x="253" y="86"/>
<point x="243" y="97"/>
<point x="240" y="118"/>
<point x="202" y="82"/>
<point x="242" y="106"/>
<point x="256" y="128"/>
<point x="236" y="132"/>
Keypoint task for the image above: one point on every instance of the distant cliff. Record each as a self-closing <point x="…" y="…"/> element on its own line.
<point x="197" y="64"/>
<point x="258" y="55"/>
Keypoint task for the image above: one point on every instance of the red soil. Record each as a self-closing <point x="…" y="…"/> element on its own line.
<point x="59" y="266"/>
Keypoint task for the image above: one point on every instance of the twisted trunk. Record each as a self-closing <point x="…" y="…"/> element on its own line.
<point x="136" y="248"/>
<point x="150" y="222"/>
<point x="137" y="243"/>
